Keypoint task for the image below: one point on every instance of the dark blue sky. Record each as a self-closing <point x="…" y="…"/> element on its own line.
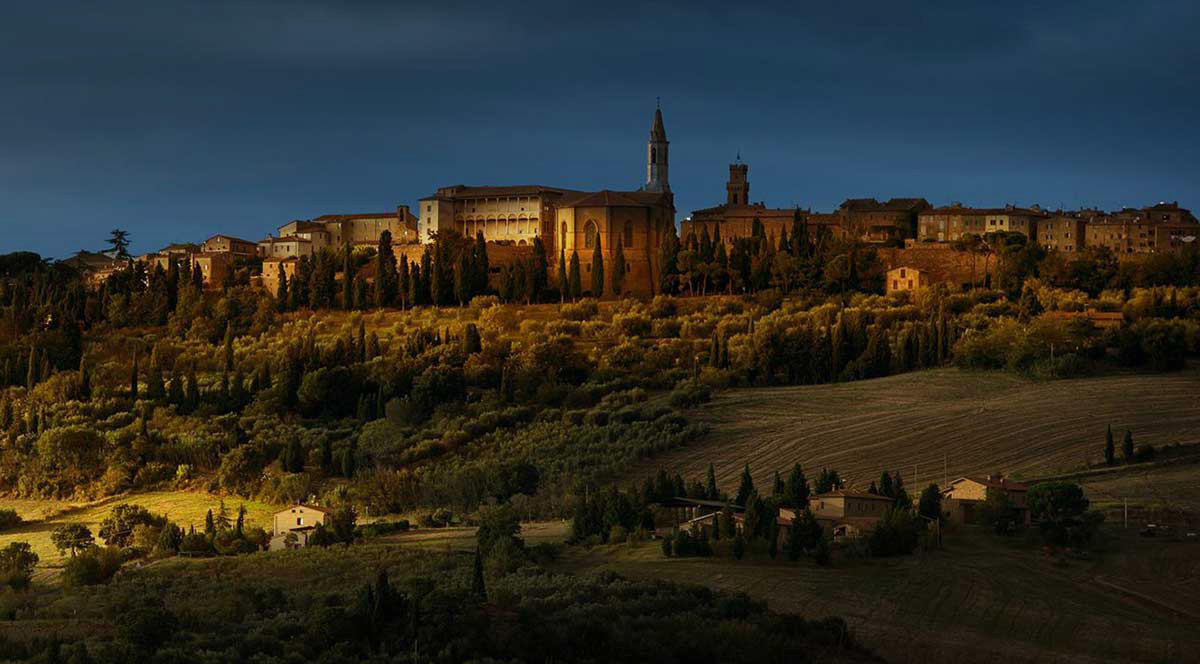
<point x="179" y="120"/>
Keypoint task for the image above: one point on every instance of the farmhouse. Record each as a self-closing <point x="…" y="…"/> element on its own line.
<point x="963" y="498"/>
<point x="298" y="520"/>
<point x="224" y="244"/>
<point x="907" y="278"/>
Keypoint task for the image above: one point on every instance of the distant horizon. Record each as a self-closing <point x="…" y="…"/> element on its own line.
<point x="179" y="122"/>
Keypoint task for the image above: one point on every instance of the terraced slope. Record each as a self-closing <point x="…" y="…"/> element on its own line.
<point x="935" y="424"/>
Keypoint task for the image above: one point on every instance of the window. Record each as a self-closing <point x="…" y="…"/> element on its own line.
<point x="589" y="235"/>
<point x="299" y="521"/>
<point x="628" y="239"/>
<point x="653" y="155"/>
<point x="564" y="234"/>
<point x="895" y="284"/>
<point x="901" y="273"/>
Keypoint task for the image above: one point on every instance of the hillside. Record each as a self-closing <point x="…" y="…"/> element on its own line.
<point x="936" y="424"/>
<point x="982" y="599"/>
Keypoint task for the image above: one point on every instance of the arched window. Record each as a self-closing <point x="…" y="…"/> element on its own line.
<point x="653" y="155"/>
<point x="563" y="238"/>
<point x="628" y="239"/>
<point x="589" y="234"/>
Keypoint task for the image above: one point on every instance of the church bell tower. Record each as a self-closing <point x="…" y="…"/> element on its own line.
<point x="657" y="156"/>
<point x="737" y="189"/>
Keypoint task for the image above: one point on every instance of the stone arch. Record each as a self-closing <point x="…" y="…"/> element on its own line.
<point x="590" y="230"/>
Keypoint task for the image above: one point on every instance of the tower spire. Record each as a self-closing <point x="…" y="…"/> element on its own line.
<point x="657" y="154"/>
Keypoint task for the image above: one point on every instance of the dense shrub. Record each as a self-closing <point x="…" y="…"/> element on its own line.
<point x="9" y="519"/>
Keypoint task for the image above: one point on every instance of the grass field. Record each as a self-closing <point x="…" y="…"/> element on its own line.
<point x="187" y="508"/>
<point x="982" y="599"/>
<point x="930" y="425"/>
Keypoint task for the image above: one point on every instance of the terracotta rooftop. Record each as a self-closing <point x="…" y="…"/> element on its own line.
<point x="462" y="191"/>
<point x="891" y="205"/>
<point x="608" y="198"/>
<point x="228" y="237"/>
<point x="849" y="493"/>
<point x="994" y="482"/>
<point x="286" y="238"/>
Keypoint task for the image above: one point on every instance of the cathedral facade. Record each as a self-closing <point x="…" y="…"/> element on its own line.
<point x="569" y="221"/>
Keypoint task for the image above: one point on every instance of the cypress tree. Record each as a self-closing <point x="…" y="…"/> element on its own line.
<point x="175" y="390"/>
<point x="481" y="264"/>
<point x="576" y="280"/>
<point x="347" y="278"/>
<point x="1109" y="447"/>
<point x="404" y="287"/>
<point x="462" y="280"/>
<point x="414" y="285"/>
<point x="31" y="371"/>
<point x="777" y="488"/>
<point x="540" y="272"/>
<point x="597" y="270"/>
<point x="85" y="383"/>
<point x="155" y="389"/>
<point x="563" y="284"/>
<point x="210" y="528"/>
<point x="193" y="390"/>
<point x="668" y="254"/>
<point x="746" y="488"/>
<point x="796" y="490"/>
<point x="885" y="485"/>
<point x="478" y="588"/>
<point x="618" y="276"/>
<point x="385" y="272"/>
<point x="281" y="290"/>
<point x="710" y="485"/>
<point x="1127" y="446"/>
<point x="229" y="347"/>
<point x="133" y="379"/>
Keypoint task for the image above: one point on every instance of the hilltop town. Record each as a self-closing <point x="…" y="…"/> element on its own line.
<point x="918" y="244"/>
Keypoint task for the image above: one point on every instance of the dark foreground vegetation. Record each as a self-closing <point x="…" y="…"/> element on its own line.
<point x="374" y="603"/>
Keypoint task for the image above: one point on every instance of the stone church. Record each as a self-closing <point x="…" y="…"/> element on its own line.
<point x="571" y="221"/>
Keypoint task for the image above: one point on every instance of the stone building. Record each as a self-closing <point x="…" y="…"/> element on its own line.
<point x="510" y="214"/>
<point x="213" y="267"/>
<point x="291" y="246"/>
<point x="363" y="230"/>
<point x="964" y="498"/>
<point x="951" y="223"/>
<point x="638" y="220"/>
<point x="908" y="278"/>
<point x="225" y="244"/>
<point x="1063" y="232"/>
<point x="1158" y="228"/>
<point x="737" y="215"/>
<point x="332" y="231"/>
<point x="888" y="222"/>
<point x="271" y="267"/>
<point x="567" y="220"/>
